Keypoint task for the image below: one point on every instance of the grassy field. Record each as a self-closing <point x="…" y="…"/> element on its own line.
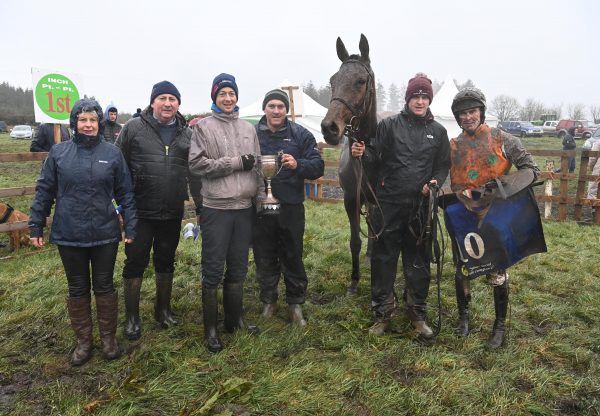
<point x="550" y="365"/>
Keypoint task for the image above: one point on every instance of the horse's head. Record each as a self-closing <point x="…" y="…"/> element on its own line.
<point x="352" y="92"/>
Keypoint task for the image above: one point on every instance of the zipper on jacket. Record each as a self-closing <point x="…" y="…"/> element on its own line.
<point x="167" y="150"/>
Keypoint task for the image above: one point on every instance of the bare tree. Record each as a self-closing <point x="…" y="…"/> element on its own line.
<point x="394" y="98"/>
<point x="381" y="96"/>
<point x="505" y="107"/>
<point x="595" y="113"/>
<point x="310" y="90"/>
<point x="531" y="110"/>
<point x="576" y="111"/>
<point x="554" y="109"/>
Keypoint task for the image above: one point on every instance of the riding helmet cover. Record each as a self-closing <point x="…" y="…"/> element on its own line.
<point x="467" y="98"/>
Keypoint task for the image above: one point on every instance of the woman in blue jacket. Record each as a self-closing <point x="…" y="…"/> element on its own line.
<point x="84" y="176"/>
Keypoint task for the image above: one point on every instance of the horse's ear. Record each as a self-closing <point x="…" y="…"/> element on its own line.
<point x="342" y="53"/>
<point x="364" y="48"/>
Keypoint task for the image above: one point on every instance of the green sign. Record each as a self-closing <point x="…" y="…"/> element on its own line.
<point x="55" y="95"/>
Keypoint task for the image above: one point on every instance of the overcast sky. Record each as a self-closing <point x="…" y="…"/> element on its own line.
<point x="546" y="50"/>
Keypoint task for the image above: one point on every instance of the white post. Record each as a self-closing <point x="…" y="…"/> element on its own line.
<point x="548" y="190"/>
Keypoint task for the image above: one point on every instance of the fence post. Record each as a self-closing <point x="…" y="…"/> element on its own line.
<point x="581" y="186"/>
<point x="548" y="190"/>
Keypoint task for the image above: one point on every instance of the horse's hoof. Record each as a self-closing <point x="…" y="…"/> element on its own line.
<point x="353" y="288"/>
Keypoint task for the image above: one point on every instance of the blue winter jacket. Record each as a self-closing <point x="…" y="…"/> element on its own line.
<point x="293" y="139"/>
<point x="83" y="179"/>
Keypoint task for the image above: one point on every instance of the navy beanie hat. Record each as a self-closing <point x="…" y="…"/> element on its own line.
<point x="221" y="81"/>
<point x="164" y="87"/>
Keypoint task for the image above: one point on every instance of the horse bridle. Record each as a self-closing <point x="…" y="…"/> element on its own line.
<point x="351" y="131"/>
<point x="358" y="111"/>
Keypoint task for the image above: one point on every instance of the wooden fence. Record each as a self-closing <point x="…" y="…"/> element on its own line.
<point x="568" y="202"/>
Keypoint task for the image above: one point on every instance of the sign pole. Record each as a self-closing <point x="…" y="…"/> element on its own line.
<point x="290" y="91"/>
<point x="57" y="137"/>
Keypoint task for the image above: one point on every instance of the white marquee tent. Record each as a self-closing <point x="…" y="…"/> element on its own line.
<point x="441" y="109"/>
<point x="308" y="112"/>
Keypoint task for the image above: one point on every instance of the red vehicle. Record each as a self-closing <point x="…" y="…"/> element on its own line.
<point x="582" y="128"/>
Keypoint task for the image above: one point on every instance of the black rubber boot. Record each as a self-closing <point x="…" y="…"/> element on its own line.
<point x="210" y="314"/>
<point x="463" y="297"/>
<point x="81" y="321"/>
<point x="133" y="327"/>
<point x="233" y="294"/>
<point x="501" y="306"/>
<point x="107" y="309"/>
<point x="162" y="305"/>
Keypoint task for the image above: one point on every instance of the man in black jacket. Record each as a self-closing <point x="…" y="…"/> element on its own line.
<point x="413" y="153"/>
<point x="278" y="237"/>
<point x="156" y="147"/>
<point x="44" y="138"/>
<point x="111" y="127"/>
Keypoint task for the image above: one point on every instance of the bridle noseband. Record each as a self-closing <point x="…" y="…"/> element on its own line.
<point x="358" y="111"/>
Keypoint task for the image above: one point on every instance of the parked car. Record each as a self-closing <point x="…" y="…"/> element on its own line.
<point x="21" y="132"/>
<point x="521" y="128"/>
<point x="3" y="127"/>
<point x="549" y="127"/>
<point x="590" y="142"/>
<point x="582" y="128"/>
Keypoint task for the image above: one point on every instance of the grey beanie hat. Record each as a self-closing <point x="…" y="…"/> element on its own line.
<point x="276" y="94"/>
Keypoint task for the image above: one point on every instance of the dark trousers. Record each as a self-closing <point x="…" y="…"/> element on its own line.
<point x="77" y="261"/>
<point x="398" y="238"/>
<point x="278" y="247"/>
<point x="160" y="235"/>
<point x="226" y="235"/>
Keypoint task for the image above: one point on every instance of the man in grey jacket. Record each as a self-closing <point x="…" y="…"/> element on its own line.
<point x="223" y="153"/>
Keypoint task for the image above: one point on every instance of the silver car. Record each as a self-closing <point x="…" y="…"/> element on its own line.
<point x="21" y="132"/>
<point x="590" y="142"/>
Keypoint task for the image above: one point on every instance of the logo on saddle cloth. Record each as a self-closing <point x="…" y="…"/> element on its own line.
<point x="509" y="231"/>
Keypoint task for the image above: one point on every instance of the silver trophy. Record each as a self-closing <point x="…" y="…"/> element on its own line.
<point x="269" y="167"/>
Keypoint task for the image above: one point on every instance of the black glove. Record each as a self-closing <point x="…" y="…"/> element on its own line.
<point x="247" y="161"/>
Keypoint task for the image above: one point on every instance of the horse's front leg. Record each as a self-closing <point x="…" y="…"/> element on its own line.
<point x="355" y="243"/>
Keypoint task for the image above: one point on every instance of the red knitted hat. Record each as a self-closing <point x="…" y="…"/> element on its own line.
<point x="419" y="85"/>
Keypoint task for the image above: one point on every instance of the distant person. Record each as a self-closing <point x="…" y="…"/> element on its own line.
<point x="156" y="147"/>
<point x="44" y="138"/>
<point x="83" y="176"/>
<point x="569" y="144"/>
<point x="278" y="238"/>
<point x="223" y="153"/>
<point x="111" y="127"/>
<point x="137" y="113"/>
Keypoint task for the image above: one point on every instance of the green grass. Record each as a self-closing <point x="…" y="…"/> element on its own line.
<point x="549" y="366"/>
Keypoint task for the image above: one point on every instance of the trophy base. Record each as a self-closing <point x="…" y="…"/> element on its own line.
<point x="270" y="209"/>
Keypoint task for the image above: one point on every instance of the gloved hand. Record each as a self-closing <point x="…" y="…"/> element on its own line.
<point x="247" y="161"/>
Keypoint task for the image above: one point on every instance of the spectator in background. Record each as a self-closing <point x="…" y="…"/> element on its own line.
<point x="83" y="176"/>
<point x="44" y="138"/>
<point x="137" y="113"/>
<point x="111" y="127"/>
<point x="156" y="146"/>
<point x="569" y="144"/>
<point x="223" y="151"/>
<point x="595" y="170"/>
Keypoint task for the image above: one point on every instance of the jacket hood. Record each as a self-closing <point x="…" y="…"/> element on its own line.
<point x="86" y="105"/>
<point x="108" y="107"/>
<point x="427" y="118"/>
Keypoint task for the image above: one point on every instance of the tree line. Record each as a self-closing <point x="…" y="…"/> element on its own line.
<point x="505" y="107"/>
<point x="16" y="105"/>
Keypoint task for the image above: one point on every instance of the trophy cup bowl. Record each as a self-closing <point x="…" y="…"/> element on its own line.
<point x="269" y="165"/>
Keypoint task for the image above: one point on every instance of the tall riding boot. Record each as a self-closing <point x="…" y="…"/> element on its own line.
<point x="162" y="306"/>
<point x="233" y="294"/>
<point x="107" y="308"/>
<point x="133" y="327"/>
<point x="81" y="321"/>
<point x="210" y="313"/>
<point x="463" y="297"/>
<point x="501" y="305"/>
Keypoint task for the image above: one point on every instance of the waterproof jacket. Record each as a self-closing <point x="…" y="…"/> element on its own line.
<point x="111" y="130"/>
<point x="218" y="142"/>
<point x="293" y="139"/>
<point x="160" y="173"/>
<point x="44" y="138"/>
<point x="410" y="152"/>
<point x="83" y="179"/>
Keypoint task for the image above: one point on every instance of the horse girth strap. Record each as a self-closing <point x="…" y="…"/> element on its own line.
<point x="7" y="214"/>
